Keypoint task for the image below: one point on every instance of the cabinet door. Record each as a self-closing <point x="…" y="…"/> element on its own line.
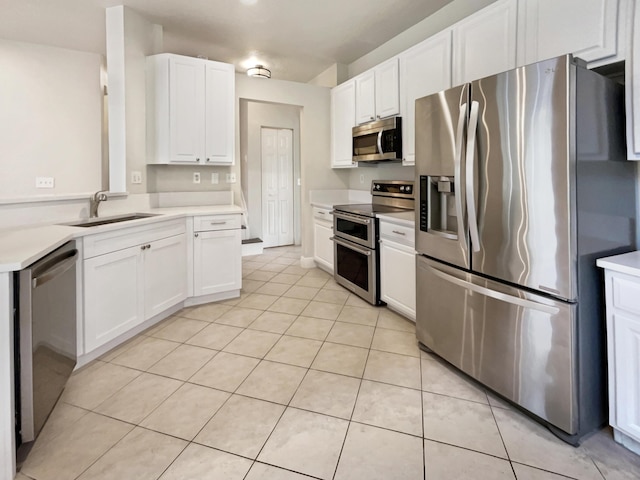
<point x="365" y="97"/>
<point x="165" y="272"/>
<point x="425" y="69"/>
<point x="627" y="365"/>
<point x="343" y="119"/>
<point x="552" y="28"/>
<point x="485" y="43"/>
<point x="632" y="86"/>
<point x="113" y="295"/>
<point x="217" y="262"/>
<point x="398" y="277"/>
<point x="220" y="113"/>
<point x="323" y="245"/>
<point x="387" y="89"/>
<point x="186" y="109"/>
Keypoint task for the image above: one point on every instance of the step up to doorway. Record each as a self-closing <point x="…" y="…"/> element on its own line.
<point x="251" y="246"/>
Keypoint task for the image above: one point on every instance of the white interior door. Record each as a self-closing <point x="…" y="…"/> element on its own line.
<point x="277" y="187"/>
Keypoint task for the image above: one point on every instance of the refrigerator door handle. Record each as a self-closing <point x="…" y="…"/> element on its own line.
<point x="521" y="302"/>
<point x="471" y="200"/>
<point x="457" y="183"/>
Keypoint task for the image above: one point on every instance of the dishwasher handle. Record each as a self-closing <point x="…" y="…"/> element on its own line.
<point x="56" y="267"/>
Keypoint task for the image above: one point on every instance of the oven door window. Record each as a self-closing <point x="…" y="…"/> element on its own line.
<point x="352" y="266"/>
<point x="352" y="229"/>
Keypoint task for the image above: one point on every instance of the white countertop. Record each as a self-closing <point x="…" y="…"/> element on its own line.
<point x="628" y="263"/>
<point x="407" y="218"/>
<point x="20" y="247"/>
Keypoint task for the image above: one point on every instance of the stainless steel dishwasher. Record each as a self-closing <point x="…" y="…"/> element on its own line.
<point x="47" y="336"/>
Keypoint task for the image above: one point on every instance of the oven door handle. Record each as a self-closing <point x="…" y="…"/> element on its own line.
<point x="351" y="218"/>
<point x="352" y="246"/>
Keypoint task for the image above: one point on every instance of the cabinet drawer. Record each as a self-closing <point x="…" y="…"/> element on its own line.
<point x="126" y="237"/>
<point x="398" y="233"/>
<point x="207" y="223"/>
<point x="626" y="291"/>
<point x="325" y="214"/>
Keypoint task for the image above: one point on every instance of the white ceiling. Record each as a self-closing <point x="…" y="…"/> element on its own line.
<point x="296" y="39"/>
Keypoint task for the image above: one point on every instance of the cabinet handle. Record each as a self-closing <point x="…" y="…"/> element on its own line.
<point x="148" y="246"/>
<point x="218" y="223"/>
<point x="378" y="117"/>
<point x="143" y="247"/>
<point x="197" y="159"/>
<point x="399" y="233"/>
<point x="196" y="235"/>
<point x="320" y="213"/>
<point x="371" y="118"/>
<point x="208" y="159"/>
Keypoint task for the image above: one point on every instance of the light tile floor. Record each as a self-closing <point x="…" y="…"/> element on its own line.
<point x="295" y="379"/>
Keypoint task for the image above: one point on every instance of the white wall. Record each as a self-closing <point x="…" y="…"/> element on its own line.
<point x="50" y="119"/>
<point x="332" y="76"/>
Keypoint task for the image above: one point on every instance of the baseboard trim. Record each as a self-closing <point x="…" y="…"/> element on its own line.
<point x="307" y="262"/>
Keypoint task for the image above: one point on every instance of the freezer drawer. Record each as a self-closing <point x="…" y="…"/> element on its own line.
<point x="519" y="344"/>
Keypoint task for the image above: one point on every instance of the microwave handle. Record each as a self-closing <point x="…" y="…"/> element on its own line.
<point x="380" y="142"/>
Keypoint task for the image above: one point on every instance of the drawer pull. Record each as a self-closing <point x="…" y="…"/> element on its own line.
<point x="218" y="223"/>
<point x="398" y="233"/>
<point x="196" y="235"/>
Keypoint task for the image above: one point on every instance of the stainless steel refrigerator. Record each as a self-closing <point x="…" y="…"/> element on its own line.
<point x="522" y="184"/>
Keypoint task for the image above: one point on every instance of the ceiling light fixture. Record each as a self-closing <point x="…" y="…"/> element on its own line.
<point x="259" y="72"/>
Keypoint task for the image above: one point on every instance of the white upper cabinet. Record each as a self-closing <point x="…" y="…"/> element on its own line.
<point x="633" y="81"/>
<point x="424" y="69"/>
<point x="485" y="43"/>
<point x="378" y="92"/>
<point x="343" y="119"/>
<point x="550" y="28"/>
<point x="190" y="110"/>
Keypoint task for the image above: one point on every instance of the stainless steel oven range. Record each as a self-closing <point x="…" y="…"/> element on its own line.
<point x="355" y="244"/>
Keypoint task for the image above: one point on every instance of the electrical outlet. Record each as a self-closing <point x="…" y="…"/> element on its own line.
<point x="215" y="178"/>
<point x="231" y="178"/>
<point x="136" y="177"/>
<point x="45" y="182"/>
<point x="361" y="178"/>
<point x="196" y="177"/>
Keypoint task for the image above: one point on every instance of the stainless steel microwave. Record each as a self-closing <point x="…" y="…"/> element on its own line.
<point x="378" y="141"/>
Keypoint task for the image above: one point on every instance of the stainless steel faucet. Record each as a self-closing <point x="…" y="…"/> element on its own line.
<point x="94" y="202"/>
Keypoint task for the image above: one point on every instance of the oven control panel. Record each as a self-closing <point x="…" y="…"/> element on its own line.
<point x="392" y="188"/>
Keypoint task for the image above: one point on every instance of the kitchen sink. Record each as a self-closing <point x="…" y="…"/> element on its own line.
<point x="94" y="222"/>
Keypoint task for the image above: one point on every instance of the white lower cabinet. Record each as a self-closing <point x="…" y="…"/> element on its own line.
<point x="123" y="288"/>
<point x="398" y="268"/>
<point x="322" y="243"/>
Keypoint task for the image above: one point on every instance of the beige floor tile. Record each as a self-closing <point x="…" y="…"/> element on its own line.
<point x="241" y="426"/>
<point x="79" y="447"/>
<point x="400" y="370"/>
<point x="524" y="472"/>
<point x="303" y="293"/>
<point x="142" y="455"/>
<point x="185" y="412"/>
<point x="62" y="417"/>
<point x="146" y="353"/>
<point x="306" y="442"/>
<point x="207" y="312"/>
<point x="258" y="301"/>
<point x="319" y="273"/>
<point x="395" y="321"/>
<point x="139" y="398"/>
<point x="313" y="328"/>
<point x="438" y="377"/>
<point x="292" y="306"/>
<point x="225" y="371"/>
<point x="239" y="317"/>
<point x="377" y="454"/>
<point x="20" y="476"/>
<point x="341" y="359"/>
<point x="494" y="400"/>
<point x="260" y="471"/>
<point x="333" y="285"/>
<point x="445" y="462"/>
<point x="273" y="322"/>
<point x="215" y="336"/>
<point x="261" y="276"/>
<point x="114" y="352"/>
<point x="276" y="289"/>
<point x="91" y="387"/>
<point x="356" y="301"/>
<point x="326" y="311"/>
<point x="295" y="270"/>
<point x="250" y="286"/>
<point x="183" y="362"/>
<point x="284" y="261"/>
<point x="533" y="445"/>
<point x="294" y="351"/>
<point x="331" y="296"/>
<point x="351" y="334"/>
<point x="360" y="315"/>
<point x="236" y="300"/>
<point x="180" y="330"/>
<point x="150" y="332"/>
<point x="461" y="423"/>
<point x="203" y="463"/>
<point x="327" y="393"/>
<point x="252" y="343"/>
<point x="388" y="406"/>
<point x="274" y="382"/>
<point x="314" y="281"/>
<point x="253" y="264"/>
<point x="612" y="459"/>
<point x="273" y="267"/>
<point x="286" y="278"/>
<point x="393" y="341"/>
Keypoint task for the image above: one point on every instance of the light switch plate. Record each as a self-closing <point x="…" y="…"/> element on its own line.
<point x="215" y="178"/>
<point x="196" y="177"/>
<point x="231" y="178"/>
<point x="136" y="177"/>
<point x="45" y="182"/>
